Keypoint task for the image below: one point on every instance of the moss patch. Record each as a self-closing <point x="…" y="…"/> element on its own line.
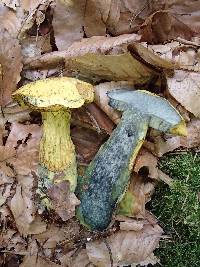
<point x="178" y="210"/>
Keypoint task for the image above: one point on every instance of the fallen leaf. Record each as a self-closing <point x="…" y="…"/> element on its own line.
<point x="72" y="259"/>
<point x="173" y="142"/>
<point x="93" y="117"/>
<point x="13" y="112"/>
<point x="96" y="14"/>
<point x="186" y="11"/>
<point x="25" y="139"/>
<point x="130" y="224"/>
<point x="135" y="198"/>
<point x="23" y="208"/>
<point x="148" y="160"/>
<point x="162" y="26"/>
<point x="11" y="65"/>
<point x="64" y="202"/>
<point x="17" y="22"/>
<point x="146" y="54"/>
<point x="100" y="118"/>
<point x="95" y="44"/>
<point x="184" y="87"/>
<point x="126" y="247"/>
<point x="102" y="99"/>
<point x="87" y="142"/>
<point x="54" y="235"/>
<point x="37" y="261"/>
<point x="68" y="22"/>
<point x="6" y="154"/>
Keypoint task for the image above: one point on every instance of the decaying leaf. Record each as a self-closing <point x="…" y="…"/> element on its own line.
<point x="148" y="160"/>
<point x="102" y="99"/>
<point x="64" y="202"/>
<point x="68" y="22"/>
<point x="187" y="11"/>
<point x="135" y="198"/>
<point x="162" y="26"/>
<point x="11" y="66"/>
<point x="130" y="224"/>
<point x="23" y="208"/>
<point x="184" y="87"/>
<point x="87" y="142"/>
<point x="126" y="247"/>
<point x="95" y="44"/>
<point x="54" y="234"/>
<point x="72" y="259"/>
<point x="93" y="117"/>
<point x="25" y="139"/>
<point x="191" y="140"/>
<point x="6" y="154"/>
<point x="13" y="112"/>
<point x="150" y="57"/>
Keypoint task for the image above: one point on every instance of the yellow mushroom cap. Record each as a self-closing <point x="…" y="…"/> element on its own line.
<point x="55" y="93"/>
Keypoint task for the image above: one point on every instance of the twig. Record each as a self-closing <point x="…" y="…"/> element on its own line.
<point x="109" y="250"/>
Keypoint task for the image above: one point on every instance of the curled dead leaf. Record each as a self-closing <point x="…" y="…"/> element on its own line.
<point x="72" y="259"/>
<point x="184" y="87"/>
<point x="11" y="66"/>
<point x="23" y="208"/>
<point x="64" y="202"/>
<point x="25" y="139"/>
<point x="102" y="99"/>
<point x="95" y="45"/>
<point x="126" y="247"/>
<point x="162" y="26"/>
<point x="173" y="142"/>
<point x="87" y="142"/>
<point x="68" y="23"/>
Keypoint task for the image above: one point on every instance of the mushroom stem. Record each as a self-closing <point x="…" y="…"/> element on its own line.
<point x="57" y="152"/>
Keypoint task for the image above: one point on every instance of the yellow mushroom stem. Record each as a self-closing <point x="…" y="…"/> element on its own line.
<point x="57" y="152"/>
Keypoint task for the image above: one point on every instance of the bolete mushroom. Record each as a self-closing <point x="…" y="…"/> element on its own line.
<point x="107" y="176"/>
<point x="54" y="97"/>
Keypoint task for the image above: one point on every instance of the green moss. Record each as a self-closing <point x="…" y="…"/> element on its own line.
<point x="178" y="211"/>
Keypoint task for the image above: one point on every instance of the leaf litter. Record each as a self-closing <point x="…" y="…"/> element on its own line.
<point x="113" y="45"/>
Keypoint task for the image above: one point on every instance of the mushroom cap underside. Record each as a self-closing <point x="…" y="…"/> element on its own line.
<point x="55" y="93"/>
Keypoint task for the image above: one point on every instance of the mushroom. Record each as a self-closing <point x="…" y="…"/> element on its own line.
<point x="54" y="97"/>
<point x="107" y="177"/>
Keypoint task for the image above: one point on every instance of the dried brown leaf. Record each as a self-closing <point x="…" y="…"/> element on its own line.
<point x="25" y="138"/>
<point x="186" y="11"/>
<point x="130" y="224"/>
<point x="191" y="140"/>
<point x="162" y="26"/>
<point x="68" y="23"/>
<point x="72" y="259"/>
<point x="64" y="202"/>
<point x="184" y="87"/>
<point x="13" y="112"/>
<point x="37" y="261"/>
<point x="87" y="142"/>
<point x="135" y="198"/>
<point x="11" y="66"/>
<point x="127" y="247"/>
<point x="54" y="235"/>
<point x="23" y="208"/>
<point x="96" y="14"/>
<point x="150" y="57"/>
<point x="96" y="44"/>
<point x="102" y="99"/>
<point x="91" y="116"/>
<point x="148" y="160"/>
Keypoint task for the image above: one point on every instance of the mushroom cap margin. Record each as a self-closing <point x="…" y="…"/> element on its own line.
<point x="54" y="94"/>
